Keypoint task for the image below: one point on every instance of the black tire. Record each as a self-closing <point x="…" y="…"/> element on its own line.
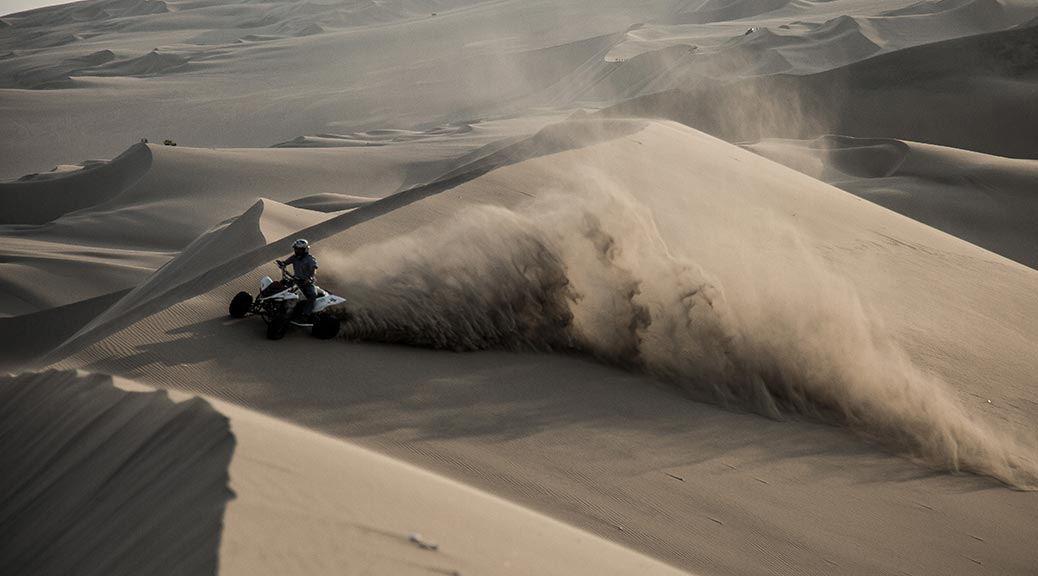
<point x="325" y="327"/>
<point x="240" y="305"/>
<point x="277" y="328"/>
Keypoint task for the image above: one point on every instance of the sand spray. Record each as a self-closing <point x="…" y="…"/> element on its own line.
<point x="589" y="272"/>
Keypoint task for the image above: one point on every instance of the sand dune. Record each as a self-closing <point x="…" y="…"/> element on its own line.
<point x="392" y="518"/>
<point x="986" y="200"/>
<point x="984" y="82"/>
<point x="106" y="227"/>
<point x="724" y="287"/>
<point x="330" y="82"/>
<point x="356" y="391"/>
<point x="41" y="200"/>
<point x="42" y="331"/>
<point x="790" y="37"/>
<point x="212" y="254"/>
<point x="168" y="518"/>
<point x="101" y="481"/>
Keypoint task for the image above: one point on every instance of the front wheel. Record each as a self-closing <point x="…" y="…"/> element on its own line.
<point x="240" y="305"/>
<point x="325" y="327"/>
<point x="276" y="328"/>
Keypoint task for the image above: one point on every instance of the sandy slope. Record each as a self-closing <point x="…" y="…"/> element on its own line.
<point x="311" y="504"/>
<point x="165" y="467"/>
<point x="987" y="200"/>
<point x="85" y="234"/>
<point x="683" y="350"/>
<point x="100" y="481"/>
<point x="594" y="445"/>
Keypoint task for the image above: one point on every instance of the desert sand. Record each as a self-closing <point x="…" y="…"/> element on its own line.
<point x="658" y="287"/>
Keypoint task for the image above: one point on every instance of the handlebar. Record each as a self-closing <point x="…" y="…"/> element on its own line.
<point x="285" y="275"/>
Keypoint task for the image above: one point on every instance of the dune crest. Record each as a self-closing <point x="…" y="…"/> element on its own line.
<point x="98" y="480"/>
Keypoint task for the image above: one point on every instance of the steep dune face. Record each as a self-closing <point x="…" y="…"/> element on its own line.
<point x="38" y="201"/>
<point x="214" y="254"/>
<point x="119" y="479"/>
<point x="102" y="481"/>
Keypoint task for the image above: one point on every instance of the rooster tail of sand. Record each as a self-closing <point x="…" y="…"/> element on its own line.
<point x="591" y="272"/>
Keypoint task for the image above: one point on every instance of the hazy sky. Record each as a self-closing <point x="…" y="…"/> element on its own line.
<point x="12" y="6"/>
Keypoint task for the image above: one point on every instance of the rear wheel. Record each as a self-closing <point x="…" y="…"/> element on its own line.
<point x="240" y="305"/>
<point x="325" y="327"/>
<point x="276" y="328"/>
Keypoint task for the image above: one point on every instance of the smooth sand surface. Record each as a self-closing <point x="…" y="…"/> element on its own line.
<point x="654" y="287"/>
<point x="987" y="200"/>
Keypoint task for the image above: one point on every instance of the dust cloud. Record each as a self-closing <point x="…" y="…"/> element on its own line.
<point x="590" y="272"/>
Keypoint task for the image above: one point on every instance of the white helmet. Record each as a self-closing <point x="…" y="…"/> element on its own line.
<point x="301" y="247"/>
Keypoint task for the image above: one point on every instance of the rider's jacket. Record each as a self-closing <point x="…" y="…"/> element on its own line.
<point x="303" y="267"/>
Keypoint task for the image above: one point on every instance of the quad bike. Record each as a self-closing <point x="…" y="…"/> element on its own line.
<point x="280" y="304"/>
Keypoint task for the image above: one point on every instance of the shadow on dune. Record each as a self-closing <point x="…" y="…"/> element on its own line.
<point x="384" y="394"/>
<point x="98" y="480"/>
<point x="44" y="330"/>
<point x="35" y="200"/>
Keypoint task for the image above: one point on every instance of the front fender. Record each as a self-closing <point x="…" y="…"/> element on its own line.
<point x="327" y="301"/>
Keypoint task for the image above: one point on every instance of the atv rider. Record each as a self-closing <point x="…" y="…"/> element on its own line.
<point x="304" y="268"/>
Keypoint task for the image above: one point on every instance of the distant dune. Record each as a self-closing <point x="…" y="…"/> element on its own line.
<point x="985" y="82"/>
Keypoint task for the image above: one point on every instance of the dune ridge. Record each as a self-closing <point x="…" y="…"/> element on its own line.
<point x="984" y="81"/>
<point x="29" y="201"/>
<point x="98" y="480"/>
